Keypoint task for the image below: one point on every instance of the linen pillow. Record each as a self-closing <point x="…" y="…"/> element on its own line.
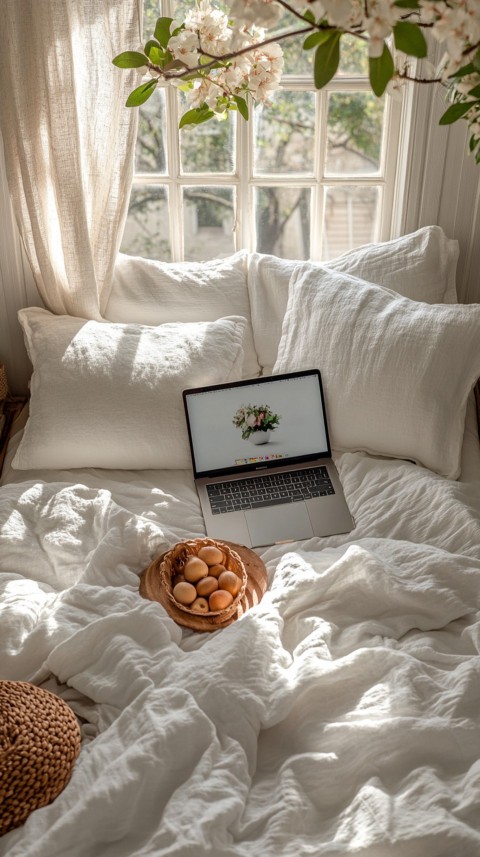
<point x="110" y="395"/>
<point x="150" y="292"/>
<point x="420" y="266"/>
<point x="397" y="373"/>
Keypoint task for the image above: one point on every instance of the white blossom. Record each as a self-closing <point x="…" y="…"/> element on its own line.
<point x="316" y="7"/>
<point x="466" y="83"/>
<point x="184" y="47"/>
<point x="266" y="71"/>
<point x="382" y="17"/>
<point x="344" y="13"/>
<point x="211" y="27"/>
<point x="263" y="13"/>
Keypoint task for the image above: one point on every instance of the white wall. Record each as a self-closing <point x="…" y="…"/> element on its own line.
<point x="440" y="184"/>
<point x="443" y="186"/>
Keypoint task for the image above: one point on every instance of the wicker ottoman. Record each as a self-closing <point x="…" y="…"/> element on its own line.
<point x="39" y="742"/>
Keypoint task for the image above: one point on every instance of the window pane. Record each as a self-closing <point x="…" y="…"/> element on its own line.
<point x="151" y="11"/>
<point x="147" y="230"/>
<point x="284" y="134"/>
<point x="208" y="214"/>
<point x="353" y="57"/>
<point x="351" y="215"/>
<point x="150" y="148"/>
<point x="283" y="221"/>
<point x="181" y="7"/>
<point x="296" y="60"/>
<point x="207" y="148"/>
<point x="354" y="134"/>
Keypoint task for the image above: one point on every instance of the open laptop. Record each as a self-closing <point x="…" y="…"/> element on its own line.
<point x="261" y="460"/>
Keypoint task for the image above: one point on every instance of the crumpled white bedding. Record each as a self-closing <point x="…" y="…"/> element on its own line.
<point x="340" y="716"/>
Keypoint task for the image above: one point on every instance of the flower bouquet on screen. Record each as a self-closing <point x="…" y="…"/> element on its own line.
<point x="256" y="422"/>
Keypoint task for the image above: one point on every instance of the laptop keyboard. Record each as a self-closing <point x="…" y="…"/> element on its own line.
<point x="268" y="490"/>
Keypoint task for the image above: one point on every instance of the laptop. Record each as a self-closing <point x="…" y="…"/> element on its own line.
<point x="262" y="460"/>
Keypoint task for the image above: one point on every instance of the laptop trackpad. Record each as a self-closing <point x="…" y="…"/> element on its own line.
<point x="278" y="524"/>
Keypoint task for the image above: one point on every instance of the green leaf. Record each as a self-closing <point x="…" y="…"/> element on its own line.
<point x="327" y="58"/>
<point x="205" y="59"/>
<point x="315" y="39"/>
<point x="461" y="72"/>
<point x="130" y="59"/>
<point x="407" y="4"/>
<point x="409" y="39"/>
<point x="456" y="111"/>
<point x="196" y="116"/>
<point x="309" y="16"/>
<point x="141" y="93"/>
<point x="474" y="93"/>
<point x="152" y="43"/>
<point x="381" y="71"/>
<point x="242" y="106"/>
<point x="157" y="56"/>
<point x="162" y="31"/>
<point x="184" y="86"/>
<point x="476" y="61"/>
<point x="473" y="143"/>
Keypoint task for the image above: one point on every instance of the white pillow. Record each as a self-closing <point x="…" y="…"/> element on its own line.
<point x="420" y="266"/>
<point x="397" y="373"/>
<point x="150" y="292"/>
<point x="110" y="395"/>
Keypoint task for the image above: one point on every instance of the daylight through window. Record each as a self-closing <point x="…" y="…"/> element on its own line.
<point x="310" y="177"/>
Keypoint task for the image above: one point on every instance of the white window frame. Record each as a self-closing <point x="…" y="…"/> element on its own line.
<point x="244" y="181"/>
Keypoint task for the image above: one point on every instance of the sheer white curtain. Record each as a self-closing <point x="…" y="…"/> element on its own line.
<point x="69" y="140"/>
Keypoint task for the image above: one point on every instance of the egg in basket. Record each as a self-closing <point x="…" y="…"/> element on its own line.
<point x="203" y="577"/>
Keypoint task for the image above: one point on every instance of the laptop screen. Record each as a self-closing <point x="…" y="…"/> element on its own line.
<point x="254" y="424"/>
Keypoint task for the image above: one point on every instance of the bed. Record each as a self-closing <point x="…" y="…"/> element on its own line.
<point x="341" y="714"/>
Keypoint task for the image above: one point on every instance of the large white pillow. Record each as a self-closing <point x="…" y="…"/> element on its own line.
<point x="145" y="291"/>
<point x="110" y="395"/>
<point x="397" y="373"/>
<point x="420" y="266"/>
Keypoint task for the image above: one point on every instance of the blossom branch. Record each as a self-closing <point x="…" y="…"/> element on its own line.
<point x="221" y="66"/>
<point x="226" y="57"/>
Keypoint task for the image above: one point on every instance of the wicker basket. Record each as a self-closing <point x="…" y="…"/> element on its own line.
<point x="39" y="742"/>
<point x="173" y="562"/>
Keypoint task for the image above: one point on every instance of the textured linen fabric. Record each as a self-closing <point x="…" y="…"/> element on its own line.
<point x="420" y="266"/>
<point x="397" y="373"/>
<point x="69" y="140"/>
<point x="337" y="717"/>
<point x="146" y="291"/>
<point x="110" y="395"/>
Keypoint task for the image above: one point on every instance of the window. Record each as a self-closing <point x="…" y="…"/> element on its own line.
<point x="310" y="177"/>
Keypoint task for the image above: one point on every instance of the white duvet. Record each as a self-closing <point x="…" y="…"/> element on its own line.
<point x="341" y="716"/>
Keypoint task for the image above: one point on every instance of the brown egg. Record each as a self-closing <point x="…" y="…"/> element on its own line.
<point x="207" y="585"/>
<point x="185" y="593"/>
<point x="194" y="569"/>
<point x="220" y="599"/>
<point x="211" y="555"/>
<point x="200" y="605"/>
<point x="216" y="570"/>
<point x="178" y="578"/>
<point x="230" y="581"/>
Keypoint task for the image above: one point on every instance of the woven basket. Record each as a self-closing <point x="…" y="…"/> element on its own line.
<point x="39" y="742"/>
<point x="173" y="562"/>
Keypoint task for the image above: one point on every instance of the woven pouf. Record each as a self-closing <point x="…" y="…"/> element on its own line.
<point x="39" y="742"/>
